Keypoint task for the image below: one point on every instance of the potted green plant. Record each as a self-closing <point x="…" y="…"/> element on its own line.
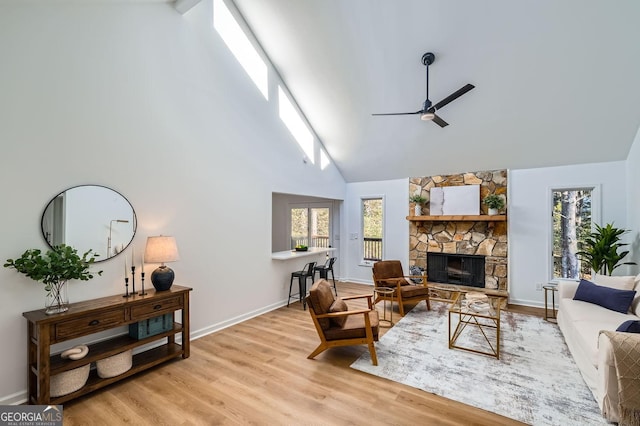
<point x="54" y="268"/>
<point x="601" y="249"/>
<point x="419" y="200"/>
<point x="494" y="202"/>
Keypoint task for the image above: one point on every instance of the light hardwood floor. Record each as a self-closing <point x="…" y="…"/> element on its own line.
<point x="257" y="373"/>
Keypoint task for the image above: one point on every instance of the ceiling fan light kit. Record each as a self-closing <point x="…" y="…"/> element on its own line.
<point x="428" y="111"/>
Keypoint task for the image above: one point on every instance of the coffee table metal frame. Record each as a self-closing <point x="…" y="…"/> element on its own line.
<point x="387" y="292"/>
<point x="480" y="320"/>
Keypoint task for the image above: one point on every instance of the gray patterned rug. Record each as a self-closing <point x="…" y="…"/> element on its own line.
<point x="535" y="381"/>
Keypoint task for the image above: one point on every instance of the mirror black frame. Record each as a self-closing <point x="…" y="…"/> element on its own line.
<point x="81" y="249"/>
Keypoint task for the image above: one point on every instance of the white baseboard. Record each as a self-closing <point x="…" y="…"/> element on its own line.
<point x="529" y="303"/>
<point x="15" y="399"/>
<point x="356" y="280"/>
<point x="236" y="320"/>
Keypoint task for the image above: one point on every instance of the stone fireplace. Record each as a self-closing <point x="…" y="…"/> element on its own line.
<point x="465" y="236"/>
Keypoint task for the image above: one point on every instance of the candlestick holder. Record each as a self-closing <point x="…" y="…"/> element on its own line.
<point x="126" y="286"/>
<point x="133" y="280"/>
<point x="142" y="293"/>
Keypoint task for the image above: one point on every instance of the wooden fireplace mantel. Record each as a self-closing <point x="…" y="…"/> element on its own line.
<point x="459" y="218"/>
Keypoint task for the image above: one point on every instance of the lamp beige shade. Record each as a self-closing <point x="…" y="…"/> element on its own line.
<point x="161" y="249"/>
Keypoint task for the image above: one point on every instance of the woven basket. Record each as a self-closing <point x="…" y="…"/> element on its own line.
<point x="69" y="381"/>
<point x="115" y="365"/>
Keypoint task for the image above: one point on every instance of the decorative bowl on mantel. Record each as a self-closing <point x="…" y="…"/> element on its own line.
<point x="302" y="248"/>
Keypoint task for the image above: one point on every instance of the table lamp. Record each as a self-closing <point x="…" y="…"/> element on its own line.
<point x="161" y="249"/>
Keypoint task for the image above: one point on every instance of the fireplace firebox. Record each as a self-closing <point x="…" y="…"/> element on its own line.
<point x="460" y="269"/>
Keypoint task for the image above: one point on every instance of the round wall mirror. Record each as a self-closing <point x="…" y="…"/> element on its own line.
<point x="90" y="217"/>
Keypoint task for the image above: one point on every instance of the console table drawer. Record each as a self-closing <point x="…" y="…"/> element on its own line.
<point x="155" y="308"/>
<point x="89" y="324"/>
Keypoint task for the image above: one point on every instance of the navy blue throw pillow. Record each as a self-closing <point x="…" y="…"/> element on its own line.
<point x="631" y="326"/>
<point x="607" y="297"/>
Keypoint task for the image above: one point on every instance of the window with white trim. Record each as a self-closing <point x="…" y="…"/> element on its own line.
<point x="372" y="229"/>
<point x="572" y="217"/>
<point x="310" y="225"/>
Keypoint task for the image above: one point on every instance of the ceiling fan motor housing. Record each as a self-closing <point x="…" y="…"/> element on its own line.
<point x="428" y="58"/>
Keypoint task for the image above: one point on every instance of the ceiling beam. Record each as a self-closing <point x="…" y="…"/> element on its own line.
<point x="183" y="6"/>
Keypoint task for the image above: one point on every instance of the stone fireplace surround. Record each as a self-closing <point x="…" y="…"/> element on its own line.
<point x="484" y="238"/>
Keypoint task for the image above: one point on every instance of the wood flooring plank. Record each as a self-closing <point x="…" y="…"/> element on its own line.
<point x="257" y="373"/>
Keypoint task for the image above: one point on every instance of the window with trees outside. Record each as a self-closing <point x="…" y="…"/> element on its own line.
<point x="372" y="230"/>
<point x="572" y="217"/>
<point x="310" y="225"/>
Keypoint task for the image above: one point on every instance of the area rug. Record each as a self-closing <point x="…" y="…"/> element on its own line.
<point x="535" y="380"/>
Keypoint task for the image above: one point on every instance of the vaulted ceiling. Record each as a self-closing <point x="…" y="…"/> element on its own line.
<point x="557" y="81"/>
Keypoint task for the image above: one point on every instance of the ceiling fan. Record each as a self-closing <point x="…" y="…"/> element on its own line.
<point x="428" y="111"/>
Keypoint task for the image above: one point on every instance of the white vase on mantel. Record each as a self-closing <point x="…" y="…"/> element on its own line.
<point x="493" y="212"/>
<point x="417" y="210"/>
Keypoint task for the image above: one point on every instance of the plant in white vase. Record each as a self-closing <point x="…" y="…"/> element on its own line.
<point x="54" y="268"/>
<point x="494" y="202"/>
<point x="419" y="200"/>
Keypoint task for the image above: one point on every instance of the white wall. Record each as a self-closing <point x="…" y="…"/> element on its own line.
<point x="633" y="202"/>
<point x="396" y="227"/>
<point x="530" y="219"/>
<point x="151" y="103"/>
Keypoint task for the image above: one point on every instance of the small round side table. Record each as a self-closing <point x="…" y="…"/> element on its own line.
<point x="387" y="292"/>
<point x="550" y="289"/>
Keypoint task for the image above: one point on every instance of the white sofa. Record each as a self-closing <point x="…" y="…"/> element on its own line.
<point x="581" y="322"/>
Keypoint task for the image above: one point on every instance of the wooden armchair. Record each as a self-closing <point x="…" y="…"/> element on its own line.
<point x="337" y="325"/>
<point x="388" y="273"/>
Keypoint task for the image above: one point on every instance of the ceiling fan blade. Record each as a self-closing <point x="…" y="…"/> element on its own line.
<point x="439" y="121"/>
<point x="452" y="97"/>
<point x="400" y="113"/>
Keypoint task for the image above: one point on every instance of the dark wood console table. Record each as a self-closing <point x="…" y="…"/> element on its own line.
<point x="92" y="316"/>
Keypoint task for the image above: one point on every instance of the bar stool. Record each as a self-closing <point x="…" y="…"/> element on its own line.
<point x="307" y="272"/>
<point x="324" y="272"/>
